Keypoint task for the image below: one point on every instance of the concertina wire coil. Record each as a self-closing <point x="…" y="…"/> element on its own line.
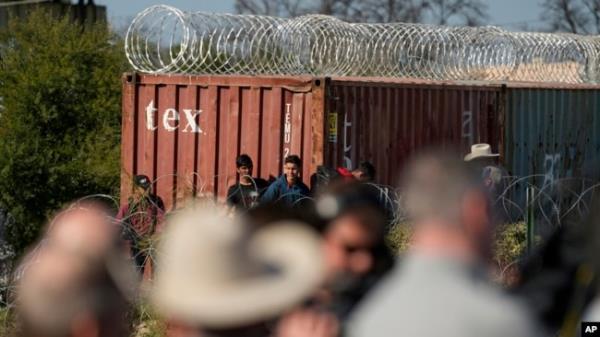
<point x="166" y="40"/>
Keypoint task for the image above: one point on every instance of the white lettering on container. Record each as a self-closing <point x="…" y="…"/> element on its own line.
<point x="191" y="121"/>
<point x="170" y="115"/>
<point x="171" y="118"/>
<point x="347" y="146"/>
<point x="551" y="166"/>
<point x="287" y="133"/>
<point x="467" y="126"/>
<point x="150" y="109"/>
<point x="287" y="130"/>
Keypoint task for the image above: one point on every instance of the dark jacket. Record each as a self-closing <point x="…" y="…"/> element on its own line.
<point x="280" y="192"/>
<point x="246" y="196"/>
<point x="142" y="217"/>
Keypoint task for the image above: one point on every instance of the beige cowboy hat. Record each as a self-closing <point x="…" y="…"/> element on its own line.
<point x="213" y="273"/>
<point x="480" y="151"/>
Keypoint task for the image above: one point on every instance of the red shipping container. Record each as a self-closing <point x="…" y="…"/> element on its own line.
<point x="185" y="132"/>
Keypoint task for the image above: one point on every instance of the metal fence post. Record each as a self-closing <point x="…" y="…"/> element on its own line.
<point x="529" y="217"/>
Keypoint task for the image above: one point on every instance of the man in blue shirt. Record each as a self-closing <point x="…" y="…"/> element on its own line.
<point x="289" y="188"/>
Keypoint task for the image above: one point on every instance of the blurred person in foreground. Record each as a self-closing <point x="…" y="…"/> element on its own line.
<point x="246" y="192"/>
<point x="215" y="277"/>
<point x="141" y="217"/>
<point x="356" y="258"/>
<point x="441" y="288"/>
<point x="288" y="190"/>
<point x="585" y="297"/>
<point x="77" y="282"/>
<point x="559" y="278"/>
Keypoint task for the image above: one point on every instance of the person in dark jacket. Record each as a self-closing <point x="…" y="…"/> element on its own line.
<point x="288" y="189"/>
<point x="246" y="192"/>
<point x="141" y="218"/>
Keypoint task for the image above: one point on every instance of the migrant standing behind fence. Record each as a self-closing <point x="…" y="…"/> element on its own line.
<point x="288" y="189"/>
<point x="141" y="217"/>
<point x="246" y="192"/>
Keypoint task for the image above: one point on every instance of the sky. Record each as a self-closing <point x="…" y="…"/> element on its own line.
<point x="510" y="14"/>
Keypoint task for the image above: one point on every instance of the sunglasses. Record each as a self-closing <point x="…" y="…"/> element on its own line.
<point x="352" y="249"/>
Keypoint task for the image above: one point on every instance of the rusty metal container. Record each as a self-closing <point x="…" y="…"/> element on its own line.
<point x="185" y="132"/>
<point x="385" y="122"/>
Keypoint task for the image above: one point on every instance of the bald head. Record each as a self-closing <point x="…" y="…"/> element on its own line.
<point x="449" y="209"/>
<point x="76" y="282"/>
<point x="84" y="228"/>
<point x="435" y="187"/>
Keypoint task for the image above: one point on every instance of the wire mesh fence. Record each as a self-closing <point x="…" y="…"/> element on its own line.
<point x="166" y="40"/>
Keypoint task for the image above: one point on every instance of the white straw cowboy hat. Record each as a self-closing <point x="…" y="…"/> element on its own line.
<point x="212" y="273"/>
<point x="480" y="151"/>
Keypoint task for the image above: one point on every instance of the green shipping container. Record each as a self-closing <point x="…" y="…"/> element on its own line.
<point x="552" y="142"/>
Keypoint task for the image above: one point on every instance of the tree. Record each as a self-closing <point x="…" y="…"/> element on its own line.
<point x="573" y="16"/>
<point x="469" y="12"/>
<point x="60" y="123"/>
<point x="377" y="10"/>
<point x="464" y="12"/>
<point x="283" y="8"/>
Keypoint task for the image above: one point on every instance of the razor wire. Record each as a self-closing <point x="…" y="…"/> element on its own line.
<point x="166" y="40"/>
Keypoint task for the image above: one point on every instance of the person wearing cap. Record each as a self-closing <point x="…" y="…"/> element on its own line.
<point x="141" y="217"/>
<point x="217" y="277"/>
<point x="77" y="282"/>
<point x="442" y="286"/>
<point x="246" y="192"/>
<point x="287" y="190"/>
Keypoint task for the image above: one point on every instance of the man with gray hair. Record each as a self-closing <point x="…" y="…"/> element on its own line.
<point x="441" y="288"/>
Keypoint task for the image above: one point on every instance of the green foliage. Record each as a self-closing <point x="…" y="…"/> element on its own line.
<point x="398" y="237"/>
<point x="146" y="323"/>
<point x="509" y="243"/>
<point x="60" y="126"/>
<point x="7" y="322"/>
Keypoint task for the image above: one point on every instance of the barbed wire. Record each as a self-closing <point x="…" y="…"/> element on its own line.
<point x="166" y="40"/>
